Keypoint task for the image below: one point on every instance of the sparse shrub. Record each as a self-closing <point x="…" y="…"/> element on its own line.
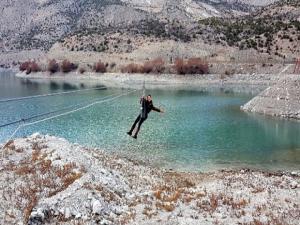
<point x="112" y="65"/>
<point x="34" y="67"/>
<point x="131" y="68"/>
<point x="228" y="72"/>
<point x="191" y="66"/>
<point x="180" y="66"/>
<point x="23" y="66"/>
<point x="67" y="66"/>
<point x="153" y="66"/>
<point x="29" y="67"/>
<point x="213" y="202"/>
<point x="99" y="67"/>
<point x="81" y="70"/>
<point x="197" y="66"/>
<point x="53" y="66"/>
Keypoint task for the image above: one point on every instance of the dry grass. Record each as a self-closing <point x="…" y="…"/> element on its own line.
<point x="9" y="148"/>
<point x="257" y="222"/>
<point x="35" y="155"/>
<point x="66" y="169"/>
<point x="70" y="179"/>
<point x="258" y="190"/>
<point x="213" y="202"/>
<point x="45" y="166"/>
<point x="25" y="170"/>
<point x="38" y="177"/>
<point x="128" y="217"/>
<point x="167" y="206"/>
<point x="166" y="195"/>
<point x="10" y="145"/>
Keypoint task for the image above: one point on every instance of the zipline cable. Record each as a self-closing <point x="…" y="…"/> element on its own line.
<point x="63" y="114"/>
<point x="51" y="94"/>
<point x="44" y="114"/>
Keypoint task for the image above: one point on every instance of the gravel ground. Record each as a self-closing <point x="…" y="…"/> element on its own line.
<point x="47" y="180"/>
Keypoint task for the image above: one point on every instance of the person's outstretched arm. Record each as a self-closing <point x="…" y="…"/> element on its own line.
<point x="157" y="109"/>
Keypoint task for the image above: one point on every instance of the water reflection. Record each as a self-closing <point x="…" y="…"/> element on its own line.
<point x="67" y="86"/>
<point x="54" y="86"/>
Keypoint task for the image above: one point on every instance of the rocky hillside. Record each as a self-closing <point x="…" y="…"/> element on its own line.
<point x="274" y="30"/>
<point x="35" y="24"/>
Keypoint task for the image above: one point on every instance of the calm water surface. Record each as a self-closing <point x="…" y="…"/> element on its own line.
<point x="199" y="131"/>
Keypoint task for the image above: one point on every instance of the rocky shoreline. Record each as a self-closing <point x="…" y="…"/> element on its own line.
<point x="238" y="82"/>
<point x="282" y="99"/>
<point x="47" y="180"/>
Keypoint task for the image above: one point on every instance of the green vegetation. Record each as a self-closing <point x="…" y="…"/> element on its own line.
<point x="248" y="32"/>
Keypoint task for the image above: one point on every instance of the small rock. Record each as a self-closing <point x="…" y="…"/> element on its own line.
<point x="67" y="213"/>
<point x="294" y="173"/>
<point x="112" y="215"/>
<point x="294" y="184"/>
<point x="105" y="222"/>
<point x="37" y="217"/>
<point x="78" y="216"/>
<point x="117" y="211"/>
<point x="90" y="196"/>
<point x="97" y="207"/>
<point x="61" y="211"/>
<point x="56" y="213"/>
<point x="35" y="135"/>
<point x="85" y="217"/>
<point x="105" y="182"/>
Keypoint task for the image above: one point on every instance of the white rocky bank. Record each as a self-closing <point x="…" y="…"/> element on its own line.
<point x="282" y="99"/>
<point x="47" y="180"/>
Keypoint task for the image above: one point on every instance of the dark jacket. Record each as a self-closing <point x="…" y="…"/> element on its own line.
<point x="147" y="107"/>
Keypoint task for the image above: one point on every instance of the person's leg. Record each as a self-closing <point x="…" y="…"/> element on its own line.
<point x="139" y="127"/>
<point x="134" y="124"/>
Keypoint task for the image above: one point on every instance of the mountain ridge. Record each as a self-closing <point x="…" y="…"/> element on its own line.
<point x="40" y="23"/>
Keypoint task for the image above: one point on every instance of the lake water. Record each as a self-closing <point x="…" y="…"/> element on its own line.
<point x="200" y="130"/>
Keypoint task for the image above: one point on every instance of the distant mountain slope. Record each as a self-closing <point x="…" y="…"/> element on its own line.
<point x="39" y="23"/>
<point x="275" y="29"/>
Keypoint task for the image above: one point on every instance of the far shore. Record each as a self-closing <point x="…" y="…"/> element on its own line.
<point x="238" y="82"/>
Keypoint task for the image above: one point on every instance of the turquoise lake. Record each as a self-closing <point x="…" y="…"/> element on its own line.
<point x="200" y="130"/>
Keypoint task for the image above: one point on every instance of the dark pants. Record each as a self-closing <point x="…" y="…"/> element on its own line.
<point x="138" y="121"/>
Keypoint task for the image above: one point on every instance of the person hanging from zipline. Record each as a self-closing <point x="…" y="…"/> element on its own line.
<point x="147" y="107"/>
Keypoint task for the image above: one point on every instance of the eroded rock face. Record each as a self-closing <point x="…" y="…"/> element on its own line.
<point x="282" y="99"/>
